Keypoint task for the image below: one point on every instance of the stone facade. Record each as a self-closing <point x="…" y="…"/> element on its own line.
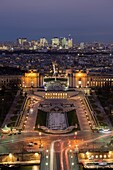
<point x="75" y="80"/>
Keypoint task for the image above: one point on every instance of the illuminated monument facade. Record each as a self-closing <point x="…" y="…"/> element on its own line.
<point x="31" y="79"/>
<point x="79" y="79"/>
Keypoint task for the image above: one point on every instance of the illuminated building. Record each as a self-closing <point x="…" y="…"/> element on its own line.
<point x="22" y="41"/>
<point x="56" y="95"/>
<point x="33" y="45"/>
<point x="79" y="79"/>
<point x="31" y="79"/>
<point x="34" y="42"/>
<point x="3" y="47"/>
<point x="70" y="43"/>
<point x="43" y="42"/>
<point x="63" y="43"/>
<point x="82" y="46"/>
<point x="66" y="43"/>
<point x="55" y="42"/>
<point x="7" y="79"/>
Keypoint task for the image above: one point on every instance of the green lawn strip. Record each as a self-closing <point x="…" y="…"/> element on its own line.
<point x="14" y="118"/>
<point x="41" y="118"/>
<point x="18" y="106"/>
<point x="105" y="96"/>
<point x="15" y="112"/>
<point x="72" y="119"/>
<point x="98" y="115"/>
<point x="97" y="111"/>
<point x="11" y="124"/>
<point x="6" y="101"/>
<point x="49" y="79"/>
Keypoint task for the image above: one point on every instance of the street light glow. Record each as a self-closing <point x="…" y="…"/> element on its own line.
<point x="36" y="154"/>
<point x="46" y="150"/>
<point x="40" y="133"/>
<point x="46" y="163"/>
<point x="31" y="110"/>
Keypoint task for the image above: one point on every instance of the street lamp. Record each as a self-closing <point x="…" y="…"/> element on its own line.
<point x="40" y="133"/>
<point x="75" y="133"/>
<point x="31" y="110"/>
<point x="69" y="145"/>
<point x="76" y="149"/>
<point x="40" y="138"/>
<point x="75" y="137"/>
<point x="47" y="151"/>
<point x="46" y="163"/>
<point x="72" y="166"/>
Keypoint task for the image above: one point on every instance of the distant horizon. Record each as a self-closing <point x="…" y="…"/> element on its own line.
<point x="75" y="40"/>
<point x="85" y="20"/>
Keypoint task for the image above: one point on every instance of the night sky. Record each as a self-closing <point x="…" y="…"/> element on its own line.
<point x="85" y="20"/>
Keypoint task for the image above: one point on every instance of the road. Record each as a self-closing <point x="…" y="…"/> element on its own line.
<point x="58" y="147"/>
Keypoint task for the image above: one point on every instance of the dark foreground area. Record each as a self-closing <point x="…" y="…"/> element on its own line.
<point x="34" y="167"/>
<point x="97" y="168"/>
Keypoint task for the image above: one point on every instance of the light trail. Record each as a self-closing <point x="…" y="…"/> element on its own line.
<point x="61" y="157"/>
<point x="52" y="154"/>
<point x="100" y="137"/>
<point x="66" y="158"/>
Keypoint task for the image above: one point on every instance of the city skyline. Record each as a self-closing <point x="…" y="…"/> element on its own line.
<point x="85" y="20"/>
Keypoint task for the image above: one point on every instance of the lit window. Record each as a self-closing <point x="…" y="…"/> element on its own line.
<point x="105" y="156"/>
<point x="96" y="156"/>
<point x="100" y="156"/>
